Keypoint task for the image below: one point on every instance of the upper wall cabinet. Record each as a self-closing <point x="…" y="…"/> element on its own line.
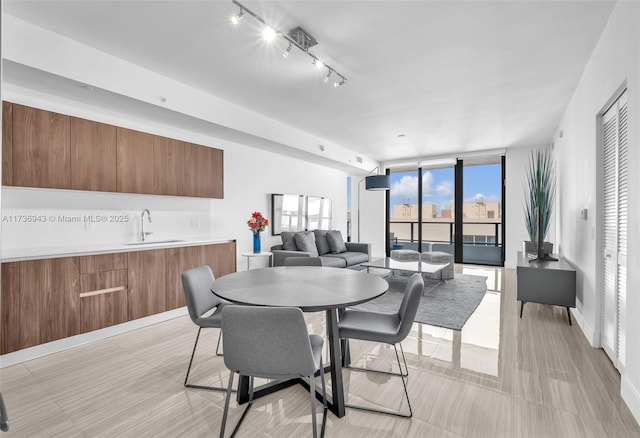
<point x="168" y="166"/>
<point x="93" y="156"/>
<point x="203" y="170"/>
<point x="7" y="144"/>
<point x="135" y="162"/>
<point x="49" y="150"/>
<point x="41" y="148"/>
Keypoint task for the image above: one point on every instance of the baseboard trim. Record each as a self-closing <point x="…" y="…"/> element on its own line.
<point x="631" y="397"/>
<point x="37" y="351"/>
<point x="592" y="336"/>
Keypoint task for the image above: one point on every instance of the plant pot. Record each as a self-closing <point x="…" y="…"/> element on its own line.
<point x="532" y="247"/>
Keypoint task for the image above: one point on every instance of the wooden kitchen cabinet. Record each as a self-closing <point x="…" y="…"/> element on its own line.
<point x="147" y="288"/>
<point x="168" y="166"/>
<point x="49" y="300"/>
<point x="7" y="143"/>
<point x="220" y="257"/>
<point x="203" y="174"/>
<point x="178" y="261"/>
<point x="10" y="308"/>
<point x="39" y="302"/>
<point x="134" y="162"/>
<point x="93" y="156"/>
<point x="103" y="262"/>
<point x="103" y="291"/>
<point x="41" y="148"/>
<point x="50" y="150"/>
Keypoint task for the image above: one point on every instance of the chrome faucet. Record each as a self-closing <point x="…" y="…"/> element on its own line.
<point x="145" y="233"/>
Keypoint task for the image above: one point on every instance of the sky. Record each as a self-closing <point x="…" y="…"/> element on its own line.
<point x="482" y="181"/>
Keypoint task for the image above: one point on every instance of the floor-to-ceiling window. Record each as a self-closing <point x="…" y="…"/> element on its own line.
<point x="482" y="212"/>
<point x="422" y="209"/>
<point x="403" y="210"/>
<point x="438" y="198"/>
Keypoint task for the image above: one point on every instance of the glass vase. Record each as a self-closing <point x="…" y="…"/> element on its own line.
<point x="256" y="242"/>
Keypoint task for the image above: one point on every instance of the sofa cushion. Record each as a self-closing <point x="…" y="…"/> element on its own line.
<point x="328" y="260"/>
<point x="350" y="257"/>
<point x="336" y="242"/>
<point x="288" y="241"/>
<point x="306" y="242"/>
<point x="321" y="241"/>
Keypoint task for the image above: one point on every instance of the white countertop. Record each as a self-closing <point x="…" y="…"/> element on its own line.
<point x="22" y="254"/>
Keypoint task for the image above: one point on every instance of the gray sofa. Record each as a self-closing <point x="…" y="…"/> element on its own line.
<point x="338" y="257"/>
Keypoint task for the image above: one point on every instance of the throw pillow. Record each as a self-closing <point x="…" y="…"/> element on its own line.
<point x="306" y="242"/>
<point x="321" y="242"/>
<point x="288" y="241"/>
<point x="336" y="243"/>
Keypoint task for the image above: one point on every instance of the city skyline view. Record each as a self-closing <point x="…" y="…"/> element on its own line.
<point x="480" y="183"/>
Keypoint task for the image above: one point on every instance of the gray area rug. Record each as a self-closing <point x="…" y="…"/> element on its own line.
<point x="447" y="305"/>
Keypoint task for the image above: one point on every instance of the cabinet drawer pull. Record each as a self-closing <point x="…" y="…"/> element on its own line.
<point x="102" y="291"/>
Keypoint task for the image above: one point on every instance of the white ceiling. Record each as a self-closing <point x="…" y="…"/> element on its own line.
<point x="451" y="76"/>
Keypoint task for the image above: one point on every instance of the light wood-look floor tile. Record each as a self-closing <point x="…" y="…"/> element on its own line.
<point x="501" y="376"/>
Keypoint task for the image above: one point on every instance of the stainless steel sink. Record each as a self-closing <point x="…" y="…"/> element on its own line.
<point x="152" y="242"/>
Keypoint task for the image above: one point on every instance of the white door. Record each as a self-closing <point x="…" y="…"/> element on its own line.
<point x="614" y="230"/>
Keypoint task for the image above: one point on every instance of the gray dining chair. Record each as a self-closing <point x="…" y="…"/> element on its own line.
<point x="196" y="284"/>
<point x="390" y="328"/>
<point x="303" y="261"/>
<point x="271" y="343"/>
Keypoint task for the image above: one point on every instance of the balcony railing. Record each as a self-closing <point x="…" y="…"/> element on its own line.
<point x="482" y="241"/>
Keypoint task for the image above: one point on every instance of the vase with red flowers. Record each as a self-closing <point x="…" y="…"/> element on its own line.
<point x="257" y="223"/>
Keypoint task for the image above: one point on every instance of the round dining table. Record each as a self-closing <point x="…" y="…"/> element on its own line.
<point x="312" y="289"/>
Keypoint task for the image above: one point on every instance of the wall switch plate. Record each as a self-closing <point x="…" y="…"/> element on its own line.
<point x="195" y="223"/>
<point x="583" y="214"/>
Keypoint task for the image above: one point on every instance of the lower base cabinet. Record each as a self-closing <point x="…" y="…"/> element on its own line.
<point x="103" y="291"/>
<point x="50" y="299"/>
<point x="103" y="310"/>
<point x="146" y="283"/>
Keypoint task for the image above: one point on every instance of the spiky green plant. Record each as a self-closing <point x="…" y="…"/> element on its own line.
<point x="541" y="186"/>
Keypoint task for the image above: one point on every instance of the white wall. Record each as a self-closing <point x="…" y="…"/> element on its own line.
<point x="250" y="176"/>
<point x="615" y="60"/>
<point x="372" y="216"/>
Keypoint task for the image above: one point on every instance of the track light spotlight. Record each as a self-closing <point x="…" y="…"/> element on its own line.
<point x="235" y="20"/>
<point x="296" y="37"/>
<point x="287" y="50"/>
<point x="268" y="34"/>
<point x="342" y="81"/>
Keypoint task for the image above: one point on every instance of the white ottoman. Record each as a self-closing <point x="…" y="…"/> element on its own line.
<point x="440" y="257"/>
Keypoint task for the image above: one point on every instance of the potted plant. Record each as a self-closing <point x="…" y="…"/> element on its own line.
<point x="540" y="194"/>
